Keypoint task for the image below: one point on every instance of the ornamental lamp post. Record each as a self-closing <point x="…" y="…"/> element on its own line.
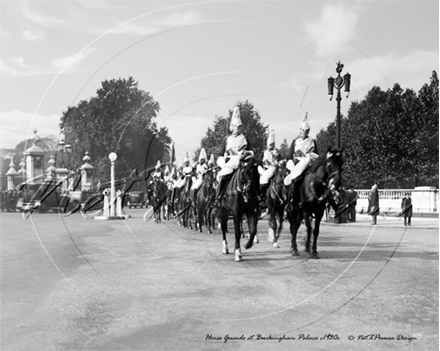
<point x="338" y="82"/>
<point x="113" y="157"/>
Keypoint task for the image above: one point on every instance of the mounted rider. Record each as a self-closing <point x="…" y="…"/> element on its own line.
<point x="302" y="152"/>
<point x="187" y="172"/>
<point x="234" y="148"/>
<point x="157" y="174"/>
<point x="269" y="162"/>
<point x="168" y="177"/>
<point x="201" y="169"/>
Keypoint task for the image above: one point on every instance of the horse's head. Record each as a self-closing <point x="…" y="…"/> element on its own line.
<point x="333" y="168"/>
<point x="250" y="178"/>
<point x="208" y="177"/>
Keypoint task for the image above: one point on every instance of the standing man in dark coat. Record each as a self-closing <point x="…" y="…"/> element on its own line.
<point x="407" y="209"/>
<point x="352" y="196"/>
<point x="373" y="203"/>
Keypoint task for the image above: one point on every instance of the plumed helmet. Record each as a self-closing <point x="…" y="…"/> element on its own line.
<point x="158" y="165"/>
<point x="202" y="155"/>
<point x="236" y="120"/>
<point x="304" y="124"/>
<point x="271" y="138"/>
<point x="186" y="159"/>
<point x="211" y="160"/>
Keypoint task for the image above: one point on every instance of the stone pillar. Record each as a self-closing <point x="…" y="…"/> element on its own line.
<point x="11" y="175"/>
<point x="86" y="173"/>
<point x="34" y="157"/>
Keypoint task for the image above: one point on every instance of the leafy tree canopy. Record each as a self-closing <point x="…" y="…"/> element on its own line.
<point x="253" y="129"/>
<point x="120" y="119"/>
<point x="390" y="137"/>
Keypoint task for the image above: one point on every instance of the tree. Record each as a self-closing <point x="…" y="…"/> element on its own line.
<point x="390" y="137"/>
<point x="120" y="119"/>
<point x="254" y="129"/>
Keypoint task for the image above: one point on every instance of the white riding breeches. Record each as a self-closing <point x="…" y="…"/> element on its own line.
<point x="297" y="170"/>
<point x="228" y="167"/>
<point x="267" y="174"/>
<point x="197" y="183"/>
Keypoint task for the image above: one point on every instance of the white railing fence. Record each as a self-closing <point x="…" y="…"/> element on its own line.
<point x="424" y="199"/>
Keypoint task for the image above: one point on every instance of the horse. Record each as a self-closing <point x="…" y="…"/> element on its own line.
<point x="241" y="198"/>
<point x="204" y="198"/>
<point x="159" y="193"/>
<point x="276" y="198"/>
<point x="184" y="203"/>
<point x="324" y="175"/>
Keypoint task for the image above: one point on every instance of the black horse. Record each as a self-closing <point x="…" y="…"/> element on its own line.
<point x="311" y="199"/>
<point x="204" y="199"/>
<point x="185" y="203"/>
<point x="276" y="199"/>
<point x="159" y="195"/>
<point x="241" y="199"/>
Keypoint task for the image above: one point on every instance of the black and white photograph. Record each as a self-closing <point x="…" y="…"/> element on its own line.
<point x="219" y="175"/>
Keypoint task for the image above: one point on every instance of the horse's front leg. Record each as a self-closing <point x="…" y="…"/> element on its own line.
<point x="295" y="219"/>
<point x="237" y="226"/>
<point x="223" y="219"/>
<point x="318" y="217"/>
<point x="308" y="237"/>
<point x="252" y="221"/>
<point x="279" y="214"/>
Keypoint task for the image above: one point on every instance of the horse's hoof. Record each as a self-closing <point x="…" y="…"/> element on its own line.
<point x="276" y="245"/>
<point x="295" y="252"/>
<point x="248" y="245"/>
<point x="225" y="251"/>
<point x="238" y="257"/>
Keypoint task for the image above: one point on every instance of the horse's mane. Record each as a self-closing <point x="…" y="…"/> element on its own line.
<point x="318" y="162"/>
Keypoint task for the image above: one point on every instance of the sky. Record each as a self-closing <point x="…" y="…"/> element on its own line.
<point x="198" y="58"/>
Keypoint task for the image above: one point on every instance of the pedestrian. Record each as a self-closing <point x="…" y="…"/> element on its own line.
<point x="352" y="196"/>
<point x="407" y="209"/>
<point x="373" y="203"/>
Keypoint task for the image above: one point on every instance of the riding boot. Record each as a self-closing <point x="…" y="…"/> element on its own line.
<point x="263" y="200"/>
<point x="219" y="191"/>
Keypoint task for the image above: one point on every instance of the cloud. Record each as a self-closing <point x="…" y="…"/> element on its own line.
<point x="42" y="20"/>
<point x="15" y="67"/>
<point x="177" y="19"/>
<point x="18" y="126"/>
<point x="72" y="61"/>
<point x="410" y="71"/>
<point x="32" y="35"/>
<point x="333" y="30"/>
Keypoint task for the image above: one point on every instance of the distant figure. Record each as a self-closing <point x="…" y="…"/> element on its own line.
<point x="352" y="196"/>
<point x="407" y="209"/>
<point x="373" y="203"/>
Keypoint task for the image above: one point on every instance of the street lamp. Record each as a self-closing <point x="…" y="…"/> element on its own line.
<point x="338" y="82"/>
<point x="112" y="156"/>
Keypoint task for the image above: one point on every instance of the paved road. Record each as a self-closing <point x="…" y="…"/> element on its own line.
<point x="78" y="284"/>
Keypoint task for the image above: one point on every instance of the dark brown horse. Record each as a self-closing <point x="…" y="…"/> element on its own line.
<point x="276" y="199"/>
<point x="241" y="199"/>
<point x="159" y="197"/>
<point x="185" y="203"/>
<point x="204" y="198"/>
<point x="311" y="199"/>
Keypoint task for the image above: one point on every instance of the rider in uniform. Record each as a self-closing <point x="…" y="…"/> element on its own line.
<point x="201" y="169"/>
<point x="268" y="166"/>
<point x="157" y="174"/>
<point x="233" y="148"/>
<point x="303" y="151"/>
